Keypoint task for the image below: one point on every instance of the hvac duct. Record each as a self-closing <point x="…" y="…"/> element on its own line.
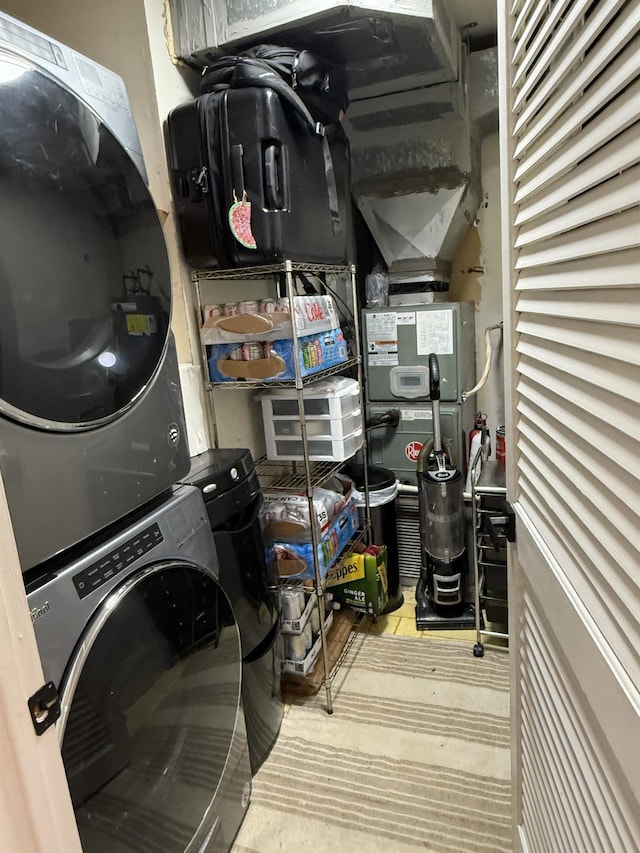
<point x="415" y="159"/>
<point x="387" y="45"/>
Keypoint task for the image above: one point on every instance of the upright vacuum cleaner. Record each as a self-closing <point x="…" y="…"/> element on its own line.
<point x="440" y="593"/>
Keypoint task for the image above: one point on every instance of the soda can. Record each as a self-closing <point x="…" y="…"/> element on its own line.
<point x="267" y="306"/>
<point x="283" y="305"/>
<point x="295" y="647"/>
<point x="314" y="618"/>
<point x="501" y="444"/>
<point x="306" y="358"/>
<point x="211" y="311"/>
<point x="290" y="602"/>
<point x="308" y="637"/>
<point x="252" y="350"/>
<point x="230" y="309"/>
<point x="248" y="306"/>
<point x="235" y="354"/>
<point x="302" y="597"/>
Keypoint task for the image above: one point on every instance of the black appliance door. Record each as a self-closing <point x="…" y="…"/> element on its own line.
<point x="151" y="702"/>
<point x="84" y="274"/>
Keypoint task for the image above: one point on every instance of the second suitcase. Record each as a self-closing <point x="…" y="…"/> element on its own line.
<point x="239" y="146"/>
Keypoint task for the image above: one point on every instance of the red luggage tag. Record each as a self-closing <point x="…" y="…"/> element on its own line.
<point x="240" y="222"/>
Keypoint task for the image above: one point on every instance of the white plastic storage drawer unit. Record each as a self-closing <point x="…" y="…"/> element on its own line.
<point x="332" y="414"/>
<point x="319" y="448"/>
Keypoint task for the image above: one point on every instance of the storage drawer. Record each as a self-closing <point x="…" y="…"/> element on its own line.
<point x="330" y="398"/>
<point x="495" y="580"/>
<point x="319" y="448"/>
<point x="338" y="428"/>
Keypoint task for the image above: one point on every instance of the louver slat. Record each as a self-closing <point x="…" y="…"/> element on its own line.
<point x="521" y="8"/>
<point x="616" y="195"/>
<point x="610" y="234"/>
<point x="619" y="269"/>
<point x="580" y="357"/>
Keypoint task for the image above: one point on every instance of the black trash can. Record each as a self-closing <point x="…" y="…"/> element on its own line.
<point x="383" y="489"/>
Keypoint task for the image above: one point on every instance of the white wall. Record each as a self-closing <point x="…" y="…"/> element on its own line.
<point x="477" y="276"/>
<point x="491" y="397"/>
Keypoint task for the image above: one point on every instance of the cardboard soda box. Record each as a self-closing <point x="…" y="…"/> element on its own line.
<point x="359" y="580"/>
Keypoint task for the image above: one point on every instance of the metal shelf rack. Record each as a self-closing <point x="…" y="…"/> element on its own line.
<point x="305" y="475"/>
<point x="488" y="494"/>
<point x="271" y="271"/>
<point x="292" y="476"/>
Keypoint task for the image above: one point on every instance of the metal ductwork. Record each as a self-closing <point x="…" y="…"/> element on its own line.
<point x="387" y="45"/>
<point x="483" y="90"/>
<point x="415" y="161"/>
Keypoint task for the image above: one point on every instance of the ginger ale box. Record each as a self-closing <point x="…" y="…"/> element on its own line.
<point x="359" y="580"/>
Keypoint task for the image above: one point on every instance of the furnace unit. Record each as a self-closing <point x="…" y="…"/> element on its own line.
<point x="397" y="343"/>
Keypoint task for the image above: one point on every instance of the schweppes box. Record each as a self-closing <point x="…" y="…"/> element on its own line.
<point x="360" y="580"/>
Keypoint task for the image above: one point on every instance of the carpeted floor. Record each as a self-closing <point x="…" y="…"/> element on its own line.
<point x="415" y="757"/>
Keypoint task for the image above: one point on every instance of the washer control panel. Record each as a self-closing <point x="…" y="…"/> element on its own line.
<point x="115" y="561"/>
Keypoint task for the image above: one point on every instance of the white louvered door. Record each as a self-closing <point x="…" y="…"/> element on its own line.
<point x="570" y="127"/>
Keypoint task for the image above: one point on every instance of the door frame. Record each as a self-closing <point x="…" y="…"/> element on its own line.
<point x="35" y="806"/>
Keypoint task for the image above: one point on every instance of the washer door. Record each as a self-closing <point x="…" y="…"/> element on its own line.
<point x="151" y="703"/>
<point x="84" y="273"/>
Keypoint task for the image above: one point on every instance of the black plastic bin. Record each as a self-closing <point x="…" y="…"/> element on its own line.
<point x="231" y="493"/>
<point x="383" y="489"/>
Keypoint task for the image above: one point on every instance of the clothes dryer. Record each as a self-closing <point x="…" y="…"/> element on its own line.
<point x="91" y="420"/>
<point x="144" y="647"/>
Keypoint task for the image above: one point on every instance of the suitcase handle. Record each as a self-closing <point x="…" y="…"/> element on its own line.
<point x="272" y="169"/>
<point x="237" y="169"/>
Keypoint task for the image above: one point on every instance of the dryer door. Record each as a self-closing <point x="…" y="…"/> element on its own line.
<point x="84" y="274"/>
<point x="152" y="715"/>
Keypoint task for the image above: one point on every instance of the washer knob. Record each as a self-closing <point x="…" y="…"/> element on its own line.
<point x="234" y="473"/>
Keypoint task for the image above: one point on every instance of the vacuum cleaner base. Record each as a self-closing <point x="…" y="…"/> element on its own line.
<point x="428" y="620"/>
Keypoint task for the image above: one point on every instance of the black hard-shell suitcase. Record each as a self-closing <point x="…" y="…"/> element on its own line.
<point x="244" y="144"/>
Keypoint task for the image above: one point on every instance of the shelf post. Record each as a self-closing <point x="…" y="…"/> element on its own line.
<point x="365" y="446"/>
<point x="211" y="406"/>
<point x="319" y="592"/>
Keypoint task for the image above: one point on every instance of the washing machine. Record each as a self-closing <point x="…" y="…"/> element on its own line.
<point x="229" y="483"/>
<point x="91" y="419"/>
<point x="143" y="645"/>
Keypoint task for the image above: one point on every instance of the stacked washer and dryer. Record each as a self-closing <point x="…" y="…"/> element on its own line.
<point x="120" y="566"/>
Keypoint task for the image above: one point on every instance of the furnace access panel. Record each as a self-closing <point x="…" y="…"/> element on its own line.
<point x="397" y="343"/>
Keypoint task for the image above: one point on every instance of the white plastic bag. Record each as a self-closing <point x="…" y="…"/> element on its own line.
<point x="376" y="286"/>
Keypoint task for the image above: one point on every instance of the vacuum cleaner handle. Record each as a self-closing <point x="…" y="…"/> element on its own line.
<point x="434" y="377"/>
<point x="434" y="394"/>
